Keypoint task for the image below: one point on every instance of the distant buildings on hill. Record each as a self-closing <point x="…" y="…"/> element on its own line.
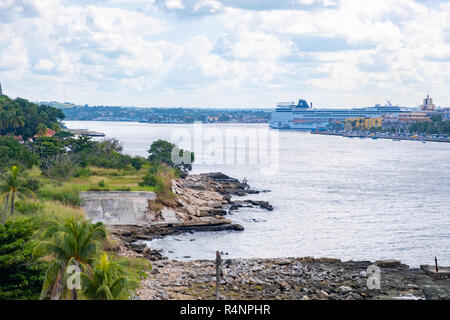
<point x="427" y="104"/>
<point x="160" y="115"/>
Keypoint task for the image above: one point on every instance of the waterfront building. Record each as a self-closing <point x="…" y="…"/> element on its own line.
<point x="404" y="119"/>
<point x="363" y="123"/>
<point x="414" y="116"/>
<point x="427" y="104"/>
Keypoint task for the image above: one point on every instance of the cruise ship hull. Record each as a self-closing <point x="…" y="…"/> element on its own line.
<point x="290" y="116"/>
<point x="281" y="125"/>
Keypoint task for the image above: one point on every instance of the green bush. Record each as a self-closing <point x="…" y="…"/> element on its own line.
<point x="21" y="274"/>
<point x="160" y="176"/>
<point x="102" y="184"/>
<point x="82" y="172"/>
<point x="27" y="207"/>
<point x="33" y="184"/>
<point x="138" y="162"/>
<point x="149" y="180"/>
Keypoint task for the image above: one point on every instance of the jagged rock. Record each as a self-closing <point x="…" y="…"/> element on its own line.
<point x="387" y="263"/>
<point x="284" y="285"/>
<point x="345" y="289"/>
<point x="199" y="204"/>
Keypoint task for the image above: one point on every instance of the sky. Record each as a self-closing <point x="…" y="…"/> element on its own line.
<point x="226" y="53"/>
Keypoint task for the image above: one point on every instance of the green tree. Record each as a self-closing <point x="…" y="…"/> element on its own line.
<point x="41" y="129"/>
<point x="106" y="281"/>
<point x="74" y="242"/>
<point x="46" y="147"/>
<point x="12" y="152"/>
<point x="162" y="151"/>
<point x="59" y="167"/>
<point x="13" y="188"/>
<point x="436" y="118"/>
<point x="21" y="117"/>
<point x="21" y="273"/>
<point x="56" y="127"/>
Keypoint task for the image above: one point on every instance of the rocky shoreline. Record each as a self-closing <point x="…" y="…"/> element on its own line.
<point x="291" y="279"/>
<point x="200" y="203"/>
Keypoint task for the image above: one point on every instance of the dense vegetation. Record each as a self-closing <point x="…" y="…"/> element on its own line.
<point x="14" y="153"/>
<point x="45" y="239"/>
<point x="21" y="274"/>
<point x="22" y="118"/>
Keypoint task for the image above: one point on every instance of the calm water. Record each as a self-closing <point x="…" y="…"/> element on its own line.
<point x="333" y="196"/>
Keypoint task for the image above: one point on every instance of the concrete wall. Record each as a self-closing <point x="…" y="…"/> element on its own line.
<point x="118" y="207"/>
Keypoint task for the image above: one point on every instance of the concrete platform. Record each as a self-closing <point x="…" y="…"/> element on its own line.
<point x="118" y="207"/>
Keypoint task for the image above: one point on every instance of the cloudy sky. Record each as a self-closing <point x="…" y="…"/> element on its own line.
<point x="226" y="53"/>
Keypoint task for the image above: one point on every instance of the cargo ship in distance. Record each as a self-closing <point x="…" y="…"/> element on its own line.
<point x="301" y="116"/>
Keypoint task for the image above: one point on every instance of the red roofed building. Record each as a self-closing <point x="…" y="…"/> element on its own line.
<point x="49" y="133"/>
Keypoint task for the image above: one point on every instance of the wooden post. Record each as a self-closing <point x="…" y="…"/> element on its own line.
<point x="218" y="272"/>
<point x="435" y="262"/>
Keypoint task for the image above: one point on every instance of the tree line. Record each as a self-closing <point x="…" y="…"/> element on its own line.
<point x="19" y="117"/>
<point x="39" y="256"/>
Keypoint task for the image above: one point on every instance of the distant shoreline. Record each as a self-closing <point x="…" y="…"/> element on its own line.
<point x="137" y="121"/>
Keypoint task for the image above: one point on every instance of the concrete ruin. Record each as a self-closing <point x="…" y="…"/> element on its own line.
<point x="118" y="207"/>
<point x="200" y="204"/>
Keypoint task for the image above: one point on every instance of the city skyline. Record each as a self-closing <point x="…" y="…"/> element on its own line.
<point x="211" y="53"/>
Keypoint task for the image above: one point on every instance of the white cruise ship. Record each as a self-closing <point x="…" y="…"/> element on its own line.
<point x="301" y="116"/>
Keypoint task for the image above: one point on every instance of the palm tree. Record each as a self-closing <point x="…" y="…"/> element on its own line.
<point x="72" y="243"/>
<point x="106" y="281"/>
<point x="17" y="122"/>
<point x="11" y="189"/>
<point x="56" y="127"/>
<point x="41" y="129"/>
<point x="4" y="121"/>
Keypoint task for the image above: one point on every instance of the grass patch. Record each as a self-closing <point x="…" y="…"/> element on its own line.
<point x="43" y="211"/>
<point x="67" y="194"/>
<point x="90" y="179"/>
<point x="136" y="269"/>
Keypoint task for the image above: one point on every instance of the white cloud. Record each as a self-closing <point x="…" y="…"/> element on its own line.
<point x="174" y="4"/>
<point x="235" y="52"/>
<point x="44" y="65"/>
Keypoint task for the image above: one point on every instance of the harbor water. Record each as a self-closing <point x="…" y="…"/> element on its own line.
<point x="353" y="199"/>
